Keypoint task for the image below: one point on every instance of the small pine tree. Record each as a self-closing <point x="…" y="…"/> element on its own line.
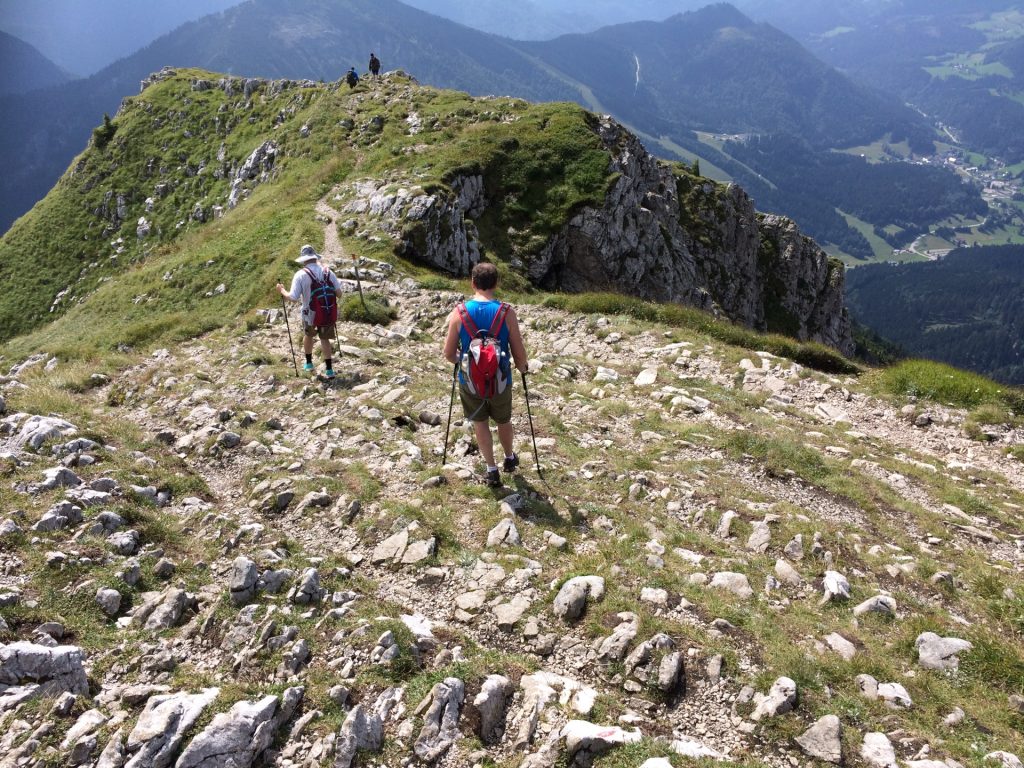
<point x="696" y="166"/>
<point x="102" y="134"/>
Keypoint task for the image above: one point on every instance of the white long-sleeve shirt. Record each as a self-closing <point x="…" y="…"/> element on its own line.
<point x="302" y="285"/>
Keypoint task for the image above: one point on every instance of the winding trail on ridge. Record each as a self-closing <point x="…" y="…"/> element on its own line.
<point x="333" y="251"/>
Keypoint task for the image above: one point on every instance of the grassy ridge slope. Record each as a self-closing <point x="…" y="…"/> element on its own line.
<point x="539" y="162"/>
<point x="179" y="145"/>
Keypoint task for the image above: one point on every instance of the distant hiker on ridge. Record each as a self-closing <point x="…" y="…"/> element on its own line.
<point x="482" y="331"/>
<point x="317" y="288"/>
<point x="351" y="77"/>
<point x="374" y="65"/>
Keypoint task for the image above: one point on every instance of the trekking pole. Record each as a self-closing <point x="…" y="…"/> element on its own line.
<point x="288" y="325"/>
<point x="533" y="436"/>
<point x="451" y="404"/>
<point x="359" y="286"/>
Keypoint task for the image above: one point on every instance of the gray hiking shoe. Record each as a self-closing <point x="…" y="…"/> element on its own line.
<point x="493" y="478"/>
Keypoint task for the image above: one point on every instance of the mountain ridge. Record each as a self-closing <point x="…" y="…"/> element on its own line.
<point x="484" y="64"/>
<point x="565" y="198"/>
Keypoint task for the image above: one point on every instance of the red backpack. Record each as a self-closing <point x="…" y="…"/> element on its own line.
<point x="482" y="372"/>
<point x="323" y="299"/>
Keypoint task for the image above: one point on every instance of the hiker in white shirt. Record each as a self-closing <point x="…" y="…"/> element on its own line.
<point x="303" y="282"/>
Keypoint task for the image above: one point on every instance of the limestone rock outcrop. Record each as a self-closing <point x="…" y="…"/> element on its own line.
<point x="659" y="235"/>
<point x="54" y="670"/>
<point x="663" y="237"/>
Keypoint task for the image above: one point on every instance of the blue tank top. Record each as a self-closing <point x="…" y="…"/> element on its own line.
<point x="482" y="313"/>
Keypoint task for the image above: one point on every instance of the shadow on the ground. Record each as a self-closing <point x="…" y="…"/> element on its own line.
<point x="538" y="507"/>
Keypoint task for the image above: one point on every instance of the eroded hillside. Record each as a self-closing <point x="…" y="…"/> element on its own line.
<point x="209" y="561"/>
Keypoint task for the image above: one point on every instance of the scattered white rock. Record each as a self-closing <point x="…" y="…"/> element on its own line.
<point x="876" y="750"/>
<point x="823" y="740"/>
<point x="732" y="582"/>
<point x="942" y="653"/>
<point x="882" y="604"/>
<point x="571" y="600"/>
<point x="504" y="534"/>
<point x="646" y="377"/>
<point x="787" y="574"/>
<point x="585" y="740"/>
<point x="841" y="646"/>
<point x="834" y="587"/>
<point x="781" y="698"/>
<point x="1005" y="759"/>
<point x="156" y="738"/>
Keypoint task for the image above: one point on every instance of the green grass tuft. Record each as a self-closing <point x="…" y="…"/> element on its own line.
<point x="373" y="312"/>
<point x="813" y="355"/>
<point x="942" y="383"/>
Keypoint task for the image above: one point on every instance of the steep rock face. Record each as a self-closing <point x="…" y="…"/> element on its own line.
<point x="661" y="234"/>
<point x="668" y="238"/>
<point x="430" y="227"/>
<point x="635" y="242"/>
<point x="801" y="286"/>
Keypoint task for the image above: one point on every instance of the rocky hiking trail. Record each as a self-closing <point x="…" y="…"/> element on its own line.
<point x="207" y="561"/>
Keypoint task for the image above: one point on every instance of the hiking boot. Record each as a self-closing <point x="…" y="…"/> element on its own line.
<point x="329" y="373"/>
<point x="493" y="478"/>
<point x="308" y="367"/>
<point x="511" y="463"/>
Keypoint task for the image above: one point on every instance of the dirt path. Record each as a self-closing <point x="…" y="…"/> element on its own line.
<point x="333" y="250"/>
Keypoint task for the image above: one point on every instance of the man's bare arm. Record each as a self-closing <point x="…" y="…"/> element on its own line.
<point x="515" y="341"/>
<point x="451" y="340"/>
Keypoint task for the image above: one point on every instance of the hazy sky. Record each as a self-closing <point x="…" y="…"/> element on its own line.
<point x="83" y="36"/>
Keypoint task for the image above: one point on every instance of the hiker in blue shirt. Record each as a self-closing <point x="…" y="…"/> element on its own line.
<point x="499" y="321"/>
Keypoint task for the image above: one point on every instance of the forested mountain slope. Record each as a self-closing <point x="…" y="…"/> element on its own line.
<point x="966" y="309"/>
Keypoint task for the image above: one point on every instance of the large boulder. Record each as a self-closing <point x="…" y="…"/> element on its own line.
<point x="238" y="737"/>
<point x="156" y="738"/>
<point x="433" y="227"/>
<point x="571" y="600"/>
<point x="55" y="670"/>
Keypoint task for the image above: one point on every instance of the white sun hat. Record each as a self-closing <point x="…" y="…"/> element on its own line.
<point x="307" y="254"/>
